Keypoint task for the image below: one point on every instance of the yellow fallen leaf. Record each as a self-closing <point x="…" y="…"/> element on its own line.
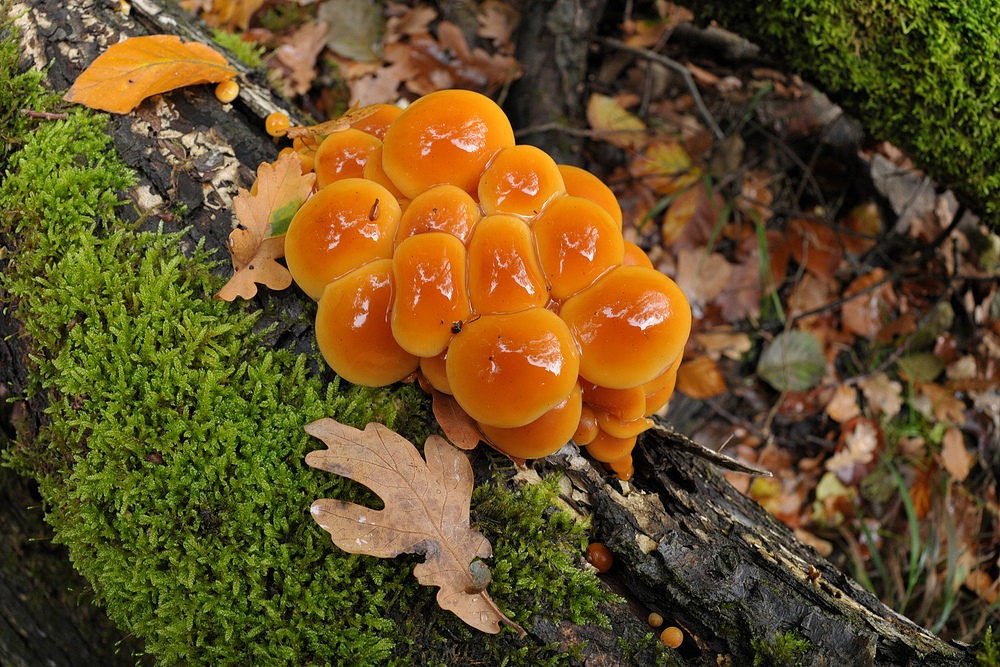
<point x="624" y="129"/>
<point x="132" y="70"/>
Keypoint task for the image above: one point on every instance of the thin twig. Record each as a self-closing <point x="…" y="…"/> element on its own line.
<point x="675" y="66"/>
<point x="44" y="115"/>
<point x="571" y="131"/>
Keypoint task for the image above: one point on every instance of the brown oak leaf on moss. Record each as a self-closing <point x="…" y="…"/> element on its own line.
<point x="132" y="70"/>
<point x="264" y="216"/>
<point x="426" y="511"/>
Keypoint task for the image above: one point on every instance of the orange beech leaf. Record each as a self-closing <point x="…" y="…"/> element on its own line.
<point x="700" y="378"/>
<point x="259" y="240"/>
<point x="426" y="511"/>
<point x="815" y="246"/>
<point x="865" y="314"/>
<point x="132" y="70"/>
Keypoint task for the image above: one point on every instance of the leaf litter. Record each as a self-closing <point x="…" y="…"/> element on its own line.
<point x="831" y="351"/>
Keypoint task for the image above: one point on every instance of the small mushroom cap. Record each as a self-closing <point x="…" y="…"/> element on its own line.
<point x="353" y="331"/>
<point x="659" y="390"/>
<point x="622" y="428"/>
<point x="429" y="272"/>
<point x="623" y="467"/>
<point x="625" y="404"/>
<point x="541" y="437"/>
<point x="343" y="155"/>
<point x="504" y="274"/>
<point x="636" y="256"/>
<point x="442" y="208"/>
<point x="338" y="229"/>
<point x="631" y="325"/>
<point x="508" y="370"/>
<point x="581" y="183"/>
<point x="577" y="243"/>
<point x="607" y="448"/>
<point x="435" y="372"/>
<point x="520" y="180"/>
<point x="448" y="136"/>
<point x="373" y="172"/>
<point x="377" y="122"/>
<point x="587" y="429"/>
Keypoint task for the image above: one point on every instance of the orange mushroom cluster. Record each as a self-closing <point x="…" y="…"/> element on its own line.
<point x="435" y="244"/>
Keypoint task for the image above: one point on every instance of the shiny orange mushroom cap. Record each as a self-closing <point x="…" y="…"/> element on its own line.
<point x="448" y="136"/>
<point x="341" y="227"/>
<point x="377" y="122"/>
<point x="508" y="370"/>
<point x="607" y="448"/>
<point x="431" y="297"/>
<point x="581" y="183"/>
<point x="435" y="371"/>
<point x="631" y="325"/>
<point x="520" y="180"/>
<point x="442" y="208"/>
<point x="343" y="155"/>
<point x="353" y="328"/>
<point x="577" y="243"/>
<point x="541" y="437"/>
<point x="504" y="274"/>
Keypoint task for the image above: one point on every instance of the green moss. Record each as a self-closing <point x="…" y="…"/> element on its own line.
<point x="783" y="650"/>
<point x="988" y="654"/>
<point x="172" y="454"/>
<point x="536" y="551"/>
<point x="249" y="52"/>
<point x="920" y="73"/>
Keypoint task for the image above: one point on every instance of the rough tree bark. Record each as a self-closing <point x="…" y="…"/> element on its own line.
<point x="687" y="544"/>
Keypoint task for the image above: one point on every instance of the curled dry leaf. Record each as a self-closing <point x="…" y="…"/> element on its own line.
<point x="954" y="456"/>
<point x="700" y="378"/>
<point x="132" y="70"/>
<point x="623" y="128"/>
<point x="314" y="134"/>
<point x="885" y="396"/>
<point x="458" y="426"/>
<point x="844" y="404"/>
<point x="872" y="303"/>
<point x="426" y="511"/>
<point x="264" y="217"/>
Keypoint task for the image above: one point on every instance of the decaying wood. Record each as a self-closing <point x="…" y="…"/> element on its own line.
<point x="687" y="544"/>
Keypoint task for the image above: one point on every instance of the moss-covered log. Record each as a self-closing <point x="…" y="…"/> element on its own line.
<point x="165" y="431"/>
<point x="921" y="74"/>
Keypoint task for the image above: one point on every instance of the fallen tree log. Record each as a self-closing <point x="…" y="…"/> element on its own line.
<point x="917" y="76"/>
<point x="170" y="540"/>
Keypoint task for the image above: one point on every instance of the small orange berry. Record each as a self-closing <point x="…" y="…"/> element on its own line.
<point x="672" y="637"/>
<point x="227" y="91"/>
<point x="599" y="556"/>
<point x="277" y="123"/>
<point x="655" y="620"/>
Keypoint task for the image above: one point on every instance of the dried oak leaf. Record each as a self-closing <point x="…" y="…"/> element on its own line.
<point x="426" y="511"/>
<point x="259" y="240"/>
<point x="134" y="69"/>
